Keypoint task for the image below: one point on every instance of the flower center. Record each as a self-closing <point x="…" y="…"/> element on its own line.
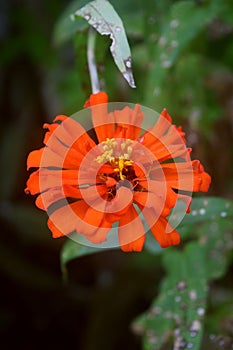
<point x="117" y="155"/>
<point x="118" y="166"/>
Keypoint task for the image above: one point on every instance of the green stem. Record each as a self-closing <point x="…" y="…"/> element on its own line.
<point x="91" y="61"/>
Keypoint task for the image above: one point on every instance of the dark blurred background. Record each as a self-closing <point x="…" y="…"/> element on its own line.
<point x="106" y="291"/>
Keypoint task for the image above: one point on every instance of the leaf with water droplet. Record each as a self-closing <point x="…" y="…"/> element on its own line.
<point x="181" y="304"/>
<point x="207" y="208"/>
<point x="101" y="15"/>
<point x="180" y="307"/>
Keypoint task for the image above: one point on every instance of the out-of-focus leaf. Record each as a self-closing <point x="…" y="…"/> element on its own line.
<point x="101" y="15"/>
<point x="65" y="28"/>
<point x="183" y="23"/>
<point x="154" y="16"/>
<point x="29" y="222"/>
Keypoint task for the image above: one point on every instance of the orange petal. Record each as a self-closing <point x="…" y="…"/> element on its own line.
<point x="158" y="129"/>
<point x="128" y="122"/>
<point x="95" y="99"/>
<point x="64" y="220"/>
<point x="56" y="233"/>
<point x="100" y="235"/>
<point x="67" y="219"/>
<point x="54" y="194"/>
<point x="177" y="175"/>
<point x="131" y="231"/>
<point x="93" y="217"/>
<point x="160" y="231"/>
<point x="43" y="179"/>
<point x="33" y="184"/>
<point x="121" y="203"/>
<point x="102" y="121"/>
<point x="46" y="157"/>
<point x="152" y="200"/>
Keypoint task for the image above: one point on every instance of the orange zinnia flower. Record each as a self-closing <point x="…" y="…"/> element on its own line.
<point x="115" y="175"/>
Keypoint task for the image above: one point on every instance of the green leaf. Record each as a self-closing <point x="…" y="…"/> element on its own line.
<point x="183" y="23"/>
<point x="101" y="15"/>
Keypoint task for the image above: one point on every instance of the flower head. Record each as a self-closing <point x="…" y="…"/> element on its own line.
<point x="117" y="174"/>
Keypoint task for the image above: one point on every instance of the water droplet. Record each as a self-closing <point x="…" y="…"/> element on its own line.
<point x="174" y="23"/>
<point x="221" y="342"/>
<point x="202" y="211"/>
<point x="118" y="29"/>
<point x="153" y="340"/>
<point x="195" y="326"/>
<point x="151" y="20"/>
<point x="156" y="310"/>
<point x="200" y="311"/>
<point x="138" y="329"/>
<point x="94" y="25"/>
<point x="176" y="332"/>
<point x="128" y="63"/>
<point x="177" y="318"/>
<point x="157" y="91"/>
<point x="181" y="286"/>
<point x="166" y="64"/>
<point x="180" y="343"/>
<point x="212" y="336"/>
<point x="153" y="37"/>
<point x="223" y="214"/>
<point x="193" y="212"/>
<point x="168" y="314"/>
<point x="162" y="41"/>
<point x="174" y="43"/>
<point x="205" y="202"/>
<point x="87" y="16"/>
<point x="193" y="295"/>
<point x="177" y="299"/>
<point x="150" y="333"/>
<point x="189" y="345"/>
<point x="163" y="56"/>
<point x="193" y="334"/>
<point x="93" y="19"/>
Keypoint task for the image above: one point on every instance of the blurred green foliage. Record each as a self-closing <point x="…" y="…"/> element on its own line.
<point x="182" y="54"/>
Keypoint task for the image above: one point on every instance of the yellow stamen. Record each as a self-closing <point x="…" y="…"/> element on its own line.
<point x="111" y="155"/>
